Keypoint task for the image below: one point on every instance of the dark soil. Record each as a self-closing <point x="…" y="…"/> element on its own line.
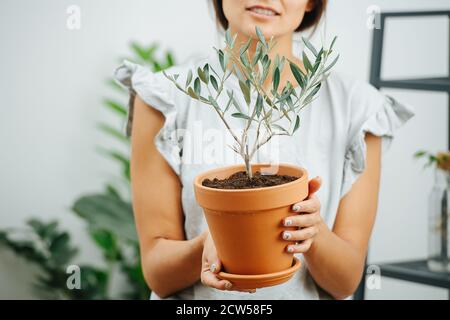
<point x="240" y="180"/>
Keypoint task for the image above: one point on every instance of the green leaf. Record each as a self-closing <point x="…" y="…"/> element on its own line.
<point x="214" y="83"/>
<point x="258" y="54"/>
<point x="46" y="231"/>
<point x="188" y="78"/>
<point x="310" y="46"/>
<point x="331" y="64"/>
<point x="246" y="91"/>
<point x="213" y="102"/>
<point x="238" y="73"/>
<point x="240" y="115"/>
<point x="192" y="93"/>
<point x="111" y="190"/>
<point x="206" y="73"/>
<point x="116" y="107"/>
<point x="285" y="113"/>
<point x="222" y="60"/>
<point x="261" y="36"/>
<point x="233" y="41"/>
<point x="244" y="60"/>
<point x="201" y="74"/>
<point x="297" y="123"/>
<point x="313" y="92"/>
<point x="332" y="43"/>
<point x="307" y="63"/>
<point x="282" y="62"/>
<point x="170" y="61"/>
<point x="420" y="154"/>
<point x="245" y="47"/>
<point x="115" y="85"/>
<point x="60" y="249"/>
<point x="197" y="86"/>
<point x="109" y="213"/>
<point x="228" y="36"/>
<point x="123" y="160"/>
<point x="230" y="102"/>
<point x="259" y="104"/>
<point x="115" y="133"/>
<point x="107" y="242"/>
<point x="235" y="102"/>
<point x="157" y="66"/>
<point x="276" y="79"/>
<point x="318" y="62"/>
<point x="280" y="128"/>
<point x="266" y="59"/>
<point x="276" y="61"/>
<point x="144" y="53"/>
<point x="298" y="74"/>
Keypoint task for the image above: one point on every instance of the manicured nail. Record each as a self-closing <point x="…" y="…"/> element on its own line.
<point x="213" y="267"/>
<point x="287" y="222"/>
<point x="286" y="235"/>
<point x="296" y="208"/>
<point x="290" y="249"/>
<point x="228" y="285"/>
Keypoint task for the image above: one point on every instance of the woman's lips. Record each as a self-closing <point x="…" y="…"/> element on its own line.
<point x="262" y="12"/>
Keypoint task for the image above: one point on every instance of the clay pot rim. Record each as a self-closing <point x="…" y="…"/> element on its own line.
<point x="200" y="177"/>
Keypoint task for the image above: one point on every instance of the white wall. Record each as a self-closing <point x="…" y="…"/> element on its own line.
<point x="52" y="83"/>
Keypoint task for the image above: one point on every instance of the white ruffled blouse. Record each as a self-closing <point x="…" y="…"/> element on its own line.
<point x="329" y="143"/>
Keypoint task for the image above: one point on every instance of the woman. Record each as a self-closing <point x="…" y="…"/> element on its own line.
<point x="341" y="139"/>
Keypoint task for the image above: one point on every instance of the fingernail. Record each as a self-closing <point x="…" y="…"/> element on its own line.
<point x="228" y="285"/>
<point x="290" y="249"/>
<point x="287" y="222"/>
<point x="213" y="267"/>
<point x="296" y="208"/>
<point x="286" y="235"/>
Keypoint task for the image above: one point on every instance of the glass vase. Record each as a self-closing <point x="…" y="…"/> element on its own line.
<point x="438" y="223"/>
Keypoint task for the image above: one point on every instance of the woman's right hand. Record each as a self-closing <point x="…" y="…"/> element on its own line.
<point x="211" y="266"/>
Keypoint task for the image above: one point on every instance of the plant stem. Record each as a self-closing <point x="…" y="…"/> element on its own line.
<point x="248" y="166"/>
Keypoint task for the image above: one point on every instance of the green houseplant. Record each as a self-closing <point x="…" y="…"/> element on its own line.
<point x="244" y="216"/>
<point x="108" y="217"/>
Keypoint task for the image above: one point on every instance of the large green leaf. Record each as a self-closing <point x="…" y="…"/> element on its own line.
<point x="109" y="213"/>
<point x="61" y="250"/>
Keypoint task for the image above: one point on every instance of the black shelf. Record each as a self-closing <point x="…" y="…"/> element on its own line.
<point x="415" y="271"/>
<point x="428" y="84"/>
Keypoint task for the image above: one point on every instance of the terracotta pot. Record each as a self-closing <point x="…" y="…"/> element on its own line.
<point x="246" y="224"/>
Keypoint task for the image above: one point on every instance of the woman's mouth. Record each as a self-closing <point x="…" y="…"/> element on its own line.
<point x="263" y="12"/>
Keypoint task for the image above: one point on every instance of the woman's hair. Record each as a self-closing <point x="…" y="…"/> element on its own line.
<point x="310" y="19"/>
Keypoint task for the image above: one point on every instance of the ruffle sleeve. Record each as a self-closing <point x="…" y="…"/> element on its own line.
<point x="385" y="116"/>
<point x="154" y="89"/>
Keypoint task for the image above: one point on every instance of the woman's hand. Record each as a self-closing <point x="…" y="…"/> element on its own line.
<point x="211" y="266"/>
<point x="307" y="221"/>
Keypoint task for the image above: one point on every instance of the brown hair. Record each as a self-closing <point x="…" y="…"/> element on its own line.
<point x="310" y="19"/>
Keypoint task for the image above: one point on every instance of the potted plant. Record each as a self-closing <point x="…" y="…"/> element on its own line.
<point x="245" y="204"/>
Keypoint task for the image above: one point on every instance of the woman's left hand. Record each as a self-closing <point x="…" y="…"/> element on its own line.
<point x="308" y="221"/>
